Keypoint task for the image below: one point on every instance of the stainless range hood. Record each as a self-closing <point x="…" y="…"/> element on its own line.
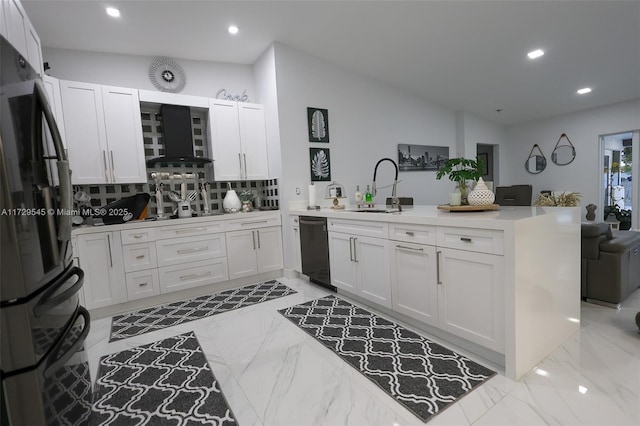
<point x="177" y="137"/>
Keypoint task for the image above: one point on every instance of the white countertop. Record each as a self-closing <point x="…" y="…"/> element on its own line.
<point x="90" y="229"/>
<point x="430" y="215"/>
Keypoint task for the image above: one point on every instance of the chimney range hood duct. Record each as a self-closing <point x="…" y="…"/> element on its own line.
<point x="177" y="137"/>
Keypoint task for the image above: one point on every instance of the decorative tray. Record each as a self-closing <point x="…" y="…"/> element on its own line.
<point x="467" y="208"/>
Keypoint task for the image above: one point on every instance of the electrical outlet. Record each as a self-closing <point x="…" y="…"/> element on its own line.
<point x="297" y="191"/>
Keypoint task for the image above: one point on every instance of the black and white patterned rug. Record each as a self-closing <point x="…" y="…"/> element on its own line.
<point x="420" y="374"/>
<point x="159" y="317"/>
<point x="163" y="383"/>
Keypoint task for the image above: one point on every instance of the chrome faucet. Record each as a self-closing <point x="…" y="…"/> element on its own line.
<point x="395" y="202"/>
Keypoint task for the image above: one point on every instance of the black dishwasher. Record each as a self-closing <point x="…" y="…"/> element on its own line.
<point x="314" y="246"/>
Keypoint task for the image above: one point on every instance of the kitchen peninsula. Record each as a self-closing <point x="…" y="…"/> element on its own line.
<point x="503" y="284"/>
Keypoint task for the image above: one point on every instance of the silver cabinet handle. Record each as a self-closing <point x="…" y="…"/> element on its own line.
<point x="113" y="170"/>
<point x="240" y="162"/>
<point x="253" y="235"/>
<point x="192" y="250"/>
<point x="255" y="221"/>
<point x="110" y="255"/>
<point x="189" y="231"/>
<point x="245" y="166"/>
<point x="355" y="252"/>
<point x="138" y="236"/>
<point x="409" y="233"/>
<point x="410" y="248"/>
<point x="351" y="249"/>
<point x="106" y="168"/>
<point x="142" y="284"/>
<point x="465" y="239"/>
<point x="438" y="267"/>
<point x="140" y="257"/>
<point x="258" y="232"/>
<point x="199" y="274"/>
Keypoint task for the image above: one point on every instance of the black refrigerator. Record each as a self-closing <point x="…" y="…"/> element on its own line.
<point x="43" y="365"/>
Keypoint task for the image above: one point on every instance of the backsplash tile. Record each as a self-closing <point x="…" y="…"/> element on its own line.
<point x="265" y="191"/>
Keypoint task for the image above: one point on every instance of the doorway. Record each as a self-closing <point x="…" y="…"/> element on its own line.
<point x="488" y="155"/>
<point x="619" y="191"/>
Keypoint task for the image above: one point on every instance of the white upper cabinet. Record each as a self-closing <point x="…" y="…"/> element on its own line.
<point x="17" y="28"/>
<point x="104" y="133"/>
<point x="124" y="134"/>
<point x="224" y="129"/>
<point x="238" y="140"/>
<point x="3" y="19"/>
<point x="253" y="139"/>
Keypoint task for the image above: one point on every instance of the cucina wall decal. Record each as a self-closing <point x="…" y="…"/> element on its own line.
<point x="223" y="94"/>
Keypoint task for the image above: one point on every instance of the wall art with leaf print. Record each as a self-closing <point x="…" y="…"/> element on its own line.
<point x="318" y="123"/>
<point x="320" y="164"/>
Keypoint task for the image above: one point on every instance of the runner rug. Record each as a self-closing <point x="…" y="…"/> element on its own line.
<point x="163" y="383"/>
<point x="159" y="317"/>
<point x="422" y="375"/>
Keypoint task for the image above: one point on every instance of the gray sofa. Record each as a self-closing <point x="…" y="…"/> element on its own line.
<point x="610" y="263"/>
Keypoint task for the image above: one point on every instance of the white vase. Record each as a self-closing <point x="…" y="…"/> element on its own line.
<point x="231" y="202"/>
<point x="481" y="195"/>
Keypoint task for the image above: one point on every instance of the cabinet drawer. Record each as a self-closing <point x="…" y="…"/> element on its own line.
<point x="190" y="230"/>
<point x="138" y="257"/>
<point x="471" y="239"/>
<point x="419" y="234"/>
<point x="252" y="223"/>
<point x="358" y="227"/>
<point x="134" y="236"/>
<point x="188" y="249"/>
<point x="193" y="274"/>
<point x="142" y="284"/>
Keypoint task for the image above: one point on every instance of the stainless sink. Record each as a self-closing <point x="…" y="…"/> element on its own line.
<point x="376" y="210"/>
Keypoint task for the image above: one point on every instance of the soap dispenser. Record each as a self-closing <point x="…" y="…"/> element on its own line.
<point x="231" y="202"/>
<point x="358" y="194"/>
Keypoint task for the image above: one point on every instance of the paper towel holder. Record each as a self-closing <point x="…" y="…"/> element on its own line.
<point x="314" y="206"/>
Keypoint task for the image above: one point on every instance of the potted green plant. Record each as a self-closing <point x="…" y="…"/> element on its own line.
<point x="565" y="199"/>
<point x="460" y="170"/>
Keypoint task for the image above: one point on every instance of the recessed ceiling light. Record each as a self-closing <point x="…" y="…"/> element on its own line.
<point x="112" y="11"/>
<point x="535" y="54"/>
<point x="233" y="29"/>
<point x="584" y="90"/>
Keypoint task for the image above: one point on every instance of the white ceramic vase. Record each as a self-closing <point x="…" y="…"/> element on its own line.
<point x="481" y="195"/>
<point x="231" y="202"/>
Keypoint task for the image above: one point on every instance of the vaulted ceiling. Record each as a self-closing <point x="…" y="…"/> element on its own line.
<point x="465" y="55"/>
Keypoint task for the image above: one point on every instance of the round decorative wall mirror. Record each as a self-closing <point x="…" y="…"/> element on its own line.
<point x="565" y="153"/>
<point x="536" y="162"/>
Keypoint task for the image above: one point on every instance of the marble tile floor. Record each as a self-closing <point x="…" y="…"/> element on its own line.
<point x="272" y="373"/>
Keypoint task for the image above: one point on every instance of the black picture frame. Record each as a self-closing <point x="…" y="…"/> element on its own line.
<point x="319" y="164"/>
<point x="421" y="158"/>
<point x="318" y="124"/>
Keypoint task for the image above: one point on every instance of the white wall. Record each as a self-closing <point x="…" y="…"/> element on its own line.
<point x="264" y="71"/>
<point x="583" y="129"/>
<point x="474" y="130"/>
<point x="367" y="120"/>
<point x="203" y="78"/>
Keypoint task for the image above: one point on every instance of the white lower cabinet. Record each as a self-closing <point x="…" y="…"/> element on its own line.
<point x="471" y="296"/>
<point x="254" y="251"/>
<point x="141" y="284"/>
<point x="295" y="242"/>
<point x="360" y="265"/>
<point x="100" y="257"/>
<point x="413" y="281"/>
<point x="193" y="274"/>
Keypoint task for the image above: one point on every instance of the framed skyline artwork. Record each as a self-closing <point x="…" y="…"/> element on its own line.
<point x="318" y="124"/>
<point x="421" y="157"/>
